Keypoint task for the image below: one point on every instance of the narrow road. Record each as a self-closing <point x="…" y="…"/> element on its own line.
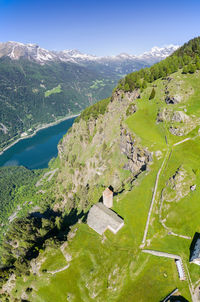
<point x="153" y="200"/>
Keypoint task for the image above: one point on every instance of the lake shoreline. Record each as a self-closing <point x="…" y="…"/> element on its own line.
<point x="44" y="126"/>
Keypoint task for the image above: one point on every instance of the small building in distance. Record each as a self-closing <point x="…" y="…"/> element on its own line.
<point x="108" y="198"/>
<point x="195" y="250"/>
<point x="100" y="218"/>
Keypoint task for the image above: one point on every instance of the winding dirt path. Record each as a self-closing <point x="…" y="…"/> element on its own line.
<point x="170" y="232"/>
<point x="59" y="270"/>
<point x="194" y="293"/>
<point x="166" y="158"/>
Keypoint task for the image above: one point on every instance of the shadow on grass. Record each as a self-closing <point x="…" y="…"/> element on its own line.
<point x="177" y="299"/>
<point x="192" y="246"/>
<point x="57" y="234"/>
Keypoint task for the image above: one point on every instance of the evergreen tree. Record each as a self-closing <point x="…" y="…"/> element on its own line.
<point x="198" y="65"/>
<point x="152" y="95"/>
<point x="126" y="87"/>
<point x="144" y="84"/>
<point x="191" y="68"/>
<point x="185" y="69"/>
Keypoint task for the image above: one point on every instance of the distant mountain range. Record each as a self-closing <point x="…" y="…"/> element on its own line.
<point x="17" y="50"/>
<point x="38" y="86"/>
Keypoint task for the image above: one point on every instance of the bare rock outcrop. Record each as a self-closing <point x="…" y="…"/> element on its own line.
<point x="180" y="117"/>
<point x="172" y="99"/>
<point x="177" y="131"/>
<point x="180" y="123"/>
<point x="179" y="185"/>
<point x="172" y="116"/>
<point x="164" y="115"/>
<point x="138" y="158"/>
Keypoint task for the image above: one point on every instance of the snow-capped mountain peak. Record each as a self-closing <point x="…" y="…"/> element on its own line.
<point x="75" y="55"/>
<point x="158" y="53"/>
<point x="17" y="50"/>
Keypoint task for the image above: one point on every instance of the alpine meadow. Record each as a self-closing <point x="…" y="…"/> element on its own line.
<point x="99" y="151"/>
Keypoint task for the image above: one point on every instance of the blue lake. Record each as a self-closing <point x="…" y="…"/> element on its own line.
<point x="36" y="152"/>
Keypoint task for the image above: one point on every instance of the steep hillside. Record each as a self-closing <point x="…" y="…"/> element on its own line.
<point x="38" y="86"/>
<point x="145" y="143"/>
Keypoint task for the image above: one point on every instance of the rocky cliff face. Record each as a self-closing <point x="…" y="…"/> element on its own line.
<point x="138" y="158"/>
<point x="98" y="153"/>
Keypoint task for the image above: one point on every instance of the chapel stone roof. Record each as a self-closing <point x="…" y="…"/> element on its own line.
<point x="100" y="218"/>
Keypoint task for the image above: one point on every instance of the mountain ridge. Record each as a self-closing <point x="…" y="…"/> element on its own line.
<point x="16" y="50"/>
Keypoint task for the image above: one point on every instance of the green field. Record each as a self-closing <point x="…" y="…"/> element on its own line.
<point x="113" y="267"/>
<point x="56" y="89"/>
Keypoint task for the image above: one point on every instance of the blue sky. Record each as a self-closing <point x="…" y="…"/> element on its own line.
<point x="100" y="27"/>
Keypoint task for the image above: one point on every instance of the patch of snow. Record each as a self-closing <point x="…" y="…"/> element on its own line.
<point x="12" y="54"/>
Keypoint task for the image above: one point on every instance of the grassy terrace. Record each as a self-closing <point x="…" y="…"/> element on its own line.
<point x="112" y="267"/>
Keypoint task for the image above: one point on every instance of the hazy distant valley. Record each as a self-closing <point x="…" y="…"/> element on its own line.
<point x="39" y="87"/>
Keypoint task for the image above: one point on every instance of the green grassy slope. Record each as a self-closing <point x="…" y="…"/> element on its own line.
<point x="90" y="267"/>
<point x="113" y="267"/>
